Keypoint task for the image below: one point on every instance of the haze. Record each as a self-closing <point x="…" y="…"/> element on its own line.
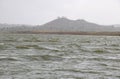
<point x="105" y="12"/>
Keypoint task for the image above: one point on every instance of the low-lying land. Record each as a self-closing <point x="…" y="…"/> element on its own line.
<point x="71" y="33"/>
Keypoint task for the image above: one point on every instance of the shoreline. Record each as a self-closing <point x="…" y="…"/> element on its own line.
<point x="69" y="33"/>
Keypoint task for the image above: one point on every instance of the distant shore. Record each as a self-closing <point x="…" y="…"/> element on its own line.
<point x="70" y="33"/>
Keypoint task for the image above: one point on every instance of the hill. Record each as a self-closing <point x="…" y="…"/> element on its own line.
<point x="63" y="24"/>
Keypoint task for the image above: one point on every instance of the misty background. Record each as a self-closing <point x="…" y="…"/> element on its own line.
<point x="38" y="12"/>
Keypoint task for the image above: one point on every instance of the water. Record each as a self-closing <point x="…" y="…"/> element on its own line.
<point x="30" y="56"/>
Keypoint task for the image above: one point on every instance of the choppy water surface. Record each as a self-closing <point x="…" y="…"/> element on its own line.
<point x="33" y="56"/>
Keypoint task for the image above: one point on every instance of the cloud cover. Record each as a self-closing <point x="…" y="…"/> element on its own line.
<point x="41" y="11"/>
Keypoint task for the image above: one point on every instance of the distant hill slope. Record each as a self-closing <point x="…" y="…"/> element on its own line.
<point x="64" y="24"/>
<point x="117" y="25"/>
<point x="8" y="28"/>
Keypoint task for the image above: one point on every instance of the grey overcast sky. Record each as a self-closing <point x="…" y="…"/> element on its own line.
<point x="103" y="12"/>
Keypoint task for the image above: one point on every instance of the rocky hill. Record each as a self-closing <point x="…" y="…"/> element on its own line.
<point x="64" y="24"/>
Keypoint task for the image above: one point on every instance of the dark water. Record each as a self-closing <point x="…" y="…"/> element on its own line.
<point x="59" y="57"/>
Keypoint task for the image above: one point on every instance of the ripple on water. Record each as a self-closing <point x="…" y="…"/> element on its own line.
<point x="38" y="47"/>
<point x="8" y="59"/>
<point x="105" y="59"/>
<point x="3" y="47"/>
<point x="42" y="58"/>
